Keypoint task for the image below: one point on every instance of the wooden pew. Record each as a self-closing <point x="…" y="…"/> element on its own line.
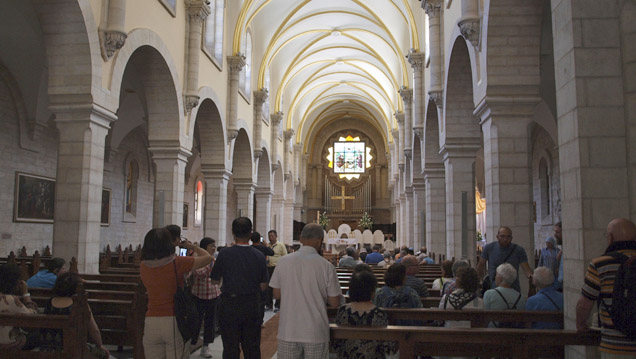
<point x="74" y="336"/>
<point x="471" y="342"/>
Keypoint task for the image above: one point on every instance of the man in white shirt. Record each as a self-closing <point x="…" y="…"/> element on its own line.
<point x="307" y="283"/>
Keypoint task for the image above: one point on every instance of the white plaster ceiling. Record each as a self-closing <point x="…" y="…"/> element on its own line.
<point x="329" y="59"/>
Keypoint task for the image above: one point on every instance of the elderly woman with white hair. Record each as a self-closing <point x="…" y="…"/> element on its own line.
<point x="504" y="296"/>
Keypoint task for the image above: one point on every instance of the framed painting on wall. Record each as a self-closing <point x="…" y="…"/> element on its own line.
<point x="34" y="198"/>
<point x="185" y="216"/>
<point x="106" y="198"/>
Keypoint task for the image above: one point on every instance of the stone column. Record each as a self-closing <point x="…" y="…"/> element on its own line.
<point x="435" y="210"/>
<point x="236" y="64"/>
<point x="288" y="157"/>
<point x="378" y="183"/>
<point x="263" y="211"/>
<point x="276" y="120"/>
<point x="419" y="209"/>
<point x="198" y="10"/>
<point x="418" y="61"/>
<point x="170" y="163"/>
<point x="402" y="239"/>
<point x="433" y="9"/>
<point x="399" y="116"/>
<point x="259" y="98"/>
<point x="458" y="164"/>
<point x="277" y="214"/>
<point x="245" y="197"/>
<point x="409" y="220"/>
<point x="288" y="220"/>
<point x="592" y="135"/>
<point x="469" y="22"/>
<point x="407" y="98"/>
<point x="507" y="168"/>
<point x="216" y="180"/>
<point x="298" y="148"/>
<point x="114" y="36"/>
<point x="78" y="187"/>
<point x="305" y="169"/>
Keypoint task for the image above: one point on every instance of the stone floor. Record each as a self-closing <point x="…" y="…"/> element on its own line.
<point x="268" y="344"/>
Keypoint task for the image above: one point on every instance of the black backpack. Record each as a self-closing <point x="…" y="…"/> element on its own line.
<point x="514" y="306"/>
<point x="623" y="308"/>
<point x="185" y="311"/>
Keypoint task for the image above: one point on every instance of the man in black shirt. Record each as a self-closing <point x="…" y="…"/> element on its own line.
<point x="244" y="272"/>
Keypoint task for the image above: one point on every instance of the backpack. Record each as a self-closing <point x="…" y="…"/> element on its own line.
<point x="514" y="306"/>
<point x="399" y="300"/>
<point x="623" y="308"/>
<point x="185" y="311"/>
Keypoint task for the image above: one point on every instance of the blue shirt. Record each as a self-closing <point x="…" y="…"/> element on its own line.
<point x="495" y="255"/>
<point x="374" y="258"/>
<point x="42" y="279"/>
<point x="540" y="301"/>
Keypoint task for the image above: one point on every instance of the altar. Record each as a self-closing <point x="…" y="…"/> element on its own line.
<point x="338" y="240"/>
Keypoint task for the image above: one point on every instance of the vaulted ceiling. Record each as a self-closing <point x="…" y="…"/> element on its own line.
<point x="330" y="59"/>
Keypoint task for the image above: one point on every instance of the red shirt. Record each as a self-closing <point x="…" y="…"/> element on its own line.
<point x="161" y="285"/>
<point x="202" y="286"/>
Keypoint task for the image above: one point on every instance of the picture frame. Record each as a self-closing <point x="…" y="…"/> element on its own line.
<point x="107" y="196"/>
<point x="34" y="198"/>
<point x="186" y="208"/>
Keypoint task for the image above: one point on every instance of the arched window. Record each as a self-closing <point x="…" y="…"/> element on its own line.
<point x="245" y="80"/>
<point x="131" y="177"/>
<point x="213" y="32"/>
<point x="544" y="183"/>
<point x="198" y="203"/>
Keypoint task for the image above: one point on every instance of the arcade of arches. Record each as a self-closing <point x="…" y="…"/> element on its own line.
<point x="120" y="115"/>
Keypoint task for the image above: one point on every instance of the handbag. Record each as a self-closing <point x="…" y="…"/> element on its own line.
<point x="185" y="311"/>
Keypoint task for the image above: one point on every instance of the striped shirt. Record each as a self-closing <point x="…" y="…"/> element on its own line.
<point x="599" y="284"/>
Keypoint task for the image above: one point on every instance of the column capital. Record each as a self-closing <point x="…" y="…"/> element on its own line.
<point x="419" y="132"/>
<point x="288" y="134"/>
<point x="417" y="60"/>
<point x="69" y="113"/>
<point x="432" y="8"/>
<point x="160" y="152"/>
<point x="406" y="94"/>
<point x="399" y="116"/>
<point x="237" y="62"/>
<point x="419" y="184"/>
<point x="470" y="30"/>
<point x="215" y="172"/>
<point x="276" y="117"/>
<point x="244" y="185"/>
<point x="263" y="193"/>
<point x="460" y="148"/>
<point x="438" y="98"/>
<point x="198" y="10"/>
<point x="395" y="133"/>
<point x="504" y="106"/>
<point x="260" y="96"/>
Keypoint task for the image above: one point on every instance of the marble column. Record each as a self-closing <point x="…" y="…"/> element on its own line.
<point x="288" y="221"/>
<point x="197" y="10"/>
<point x="433" y="9"/>
<point x="245" y="197"/>
<point x="236" y="64"/>
<point x="507" y="168"/>
<point x="399" y="116"/>
<point x="170" y="166"/>
<point x="407" y="98"/>
<point x="460" y="231"/>
<point x="418" y="62"/>
<point x="435" y="210"/>
<point x="262" y="222"/>
<point x="216" y="180"/>
<point x="80" y="170"/>
<point x="288" y="157"/>
<point x="276" y="119"/>
<point x="409" y="217"/>
<point x="259" y="98"/>
<point x="419" y="210"/>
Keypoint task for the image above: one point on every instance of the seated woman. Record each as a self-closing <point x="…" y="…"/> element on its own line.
<point x="362" y="312"/>
<point x="51" y="340"/>
<point x="447" y="275"/>
<point x="14" y="298"/>
<point x="394" y="294"/>
<point x="464" y="296"/>
<point x="504" y="297"/>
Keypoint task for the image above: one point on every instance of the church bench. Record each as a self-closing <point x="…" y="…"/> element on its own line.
<point x="427" y="302"/>
<point x="471" y="342"/>
<point x="74" y="337"/>
<point x="128" y="278"/>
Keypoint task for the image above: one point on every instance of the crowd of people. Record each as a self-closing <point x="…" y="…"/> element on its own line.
<point x="236" y="285"/>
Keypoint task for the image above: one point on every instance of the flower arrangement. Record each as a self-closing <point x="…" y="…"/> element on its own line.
<point x="365" y="222"/>
<point x="323" y="220"/>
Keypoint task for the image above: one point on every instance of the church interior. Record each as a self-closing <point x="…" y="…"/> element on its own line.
<point x="437" y="121"/>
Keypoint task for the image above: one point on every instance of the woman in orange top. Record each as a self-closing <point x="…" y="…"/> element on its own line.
<point x="160" y="269"/>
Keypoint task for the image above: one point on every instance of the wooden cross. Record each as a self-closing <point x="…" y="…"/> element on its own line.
<point x="343" y="198"/>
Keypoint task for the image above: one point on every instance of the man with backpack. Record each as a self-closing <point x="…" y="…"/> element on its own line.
<point x="611" y="282"/>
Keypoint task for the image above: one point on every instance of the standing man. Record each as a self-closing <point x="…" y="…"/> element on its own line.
<point x="307" y="283"/>
<point x="503" y="251"/>
<point x="279" y="251"/>
<point x="599" y="286"/>
<point x="244" y="272"/>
